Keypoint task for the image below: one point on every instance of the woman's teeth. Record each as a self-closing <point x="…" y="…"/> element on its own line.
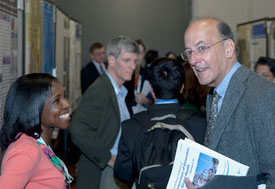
<point x="65" y="116"/>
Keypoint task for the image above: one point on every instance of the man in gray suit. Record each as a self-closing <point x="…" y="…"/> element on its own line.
<point x="244" y="129"/>
<point x="95" y="126"/>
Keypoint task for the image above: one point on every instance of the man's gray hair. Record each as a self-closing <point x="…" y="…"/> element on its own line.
<point x="116" y="44"/>
<point x="225" y="31"/>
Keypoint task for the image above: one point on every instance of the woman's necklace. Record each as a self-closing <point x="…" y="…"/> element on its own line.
<point x="56" y="161"/>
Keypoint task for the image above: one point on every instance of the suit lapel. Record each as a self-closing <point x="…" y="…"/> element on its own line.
<point x="111" y="91"/>
<point x="95" y="71"/>
<point x="232" y="97"/>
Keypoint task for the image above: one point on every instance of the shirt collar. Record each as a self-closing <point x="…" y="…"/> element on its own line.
<point x="166" y="101"/>
<point x="221" y="89"/>
<point x="97" y="65"/>
<point x="119" y="91"/>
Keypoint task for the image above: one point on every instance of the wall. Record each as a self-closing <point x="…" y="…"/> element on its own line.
<point x="159" y="23"/>
<point x="234" y="11"/>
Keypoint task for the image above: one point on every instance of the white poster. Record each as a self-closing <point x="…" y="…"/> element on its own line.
<point x="62" y="49"/>
<point x="75" y="64"/>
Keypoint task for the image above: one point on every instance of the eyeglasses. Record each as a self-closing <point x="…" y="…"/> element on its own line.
<point x="186" y="55"/>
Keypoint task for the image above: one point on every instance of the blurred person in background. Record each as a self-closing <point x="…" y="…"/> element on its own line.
<point x="95" y="67"/>
<point x="194" y="94"/>
<point x="171" y="55"/>
<point x="138" y="98"/>
<point x="265" y="67"/>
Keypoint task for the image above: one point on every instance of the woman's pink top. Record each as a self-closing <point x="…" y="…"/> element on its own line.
<point x="25" y="166"/>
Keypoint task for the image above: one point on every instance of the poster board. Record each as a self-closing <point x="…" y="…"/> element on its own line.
<point x="62" y="44"/>
<point x="48" y="33"/>
<point x="8" y="49"/>
<point x="271" y="38"/>
<point x="252" y="41"/>
<point x="33" y="36"/>
<point x="258" y="42"/>
<point x="75" y="63"/>
<point x="244" y="44"/>
<point x="20" y="36"/>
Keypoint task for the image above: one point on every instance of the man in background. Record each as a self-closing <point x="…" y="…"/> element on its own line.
<point x="95" y="67"/>
<point x="240" y="106"/>
<point x="95" y="126"/>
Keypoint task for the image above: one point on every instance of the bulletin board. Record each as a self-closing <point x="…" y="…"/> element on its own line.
<point x="258" y="42"/>
<point x="244" y="44"/>
<point x="62" y="44"/>
<point x="75" y="63"/>
<point x="8" y="49"/>
<point x="252" y="41"/>
<point x="48" y="33"/>
<point x="33" y="36"/>
<point x="271" y="38"/>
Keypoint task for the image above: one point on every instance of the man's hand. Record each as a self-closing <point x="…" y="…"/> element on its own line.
<point x="188" y="183"/>
<point x="142" y="99"/>
<point x="111" y="162"/>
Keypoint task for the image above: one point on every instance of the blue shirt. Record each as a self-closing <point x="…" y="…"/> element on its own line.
<point x="124" y="113"/>
<point x="221" y="89"/>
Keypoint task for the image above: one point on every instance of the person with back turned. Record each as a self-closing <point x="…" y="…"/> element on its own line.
<point x="166" y="83"/>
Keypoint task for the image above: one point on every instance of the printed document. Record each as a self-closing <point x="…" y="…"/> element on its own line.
<point x="200" y="164"/>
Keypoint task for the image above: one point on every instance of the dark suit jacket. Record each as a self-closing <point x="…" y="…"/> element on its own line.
<point x="123" y="169"/>
<point x="88" y="75"/>
<point x="94" y="129"/>
<point x="245" y="127"/>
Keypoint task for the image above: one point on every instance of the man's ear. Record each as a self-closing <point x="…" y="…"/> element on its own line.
<point x="229" y="48"/>
<point x="182" y="87"/>
<point x="111" y="60"/>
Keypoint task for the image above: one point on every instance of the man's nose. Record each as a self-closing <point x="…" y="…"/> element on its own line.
<point x="133" y="64"/>
<point x="193" y="58"/>
<point x="66" y="103"/>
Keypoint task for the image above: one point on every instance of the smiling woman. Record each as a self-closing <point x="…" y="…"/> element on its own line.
<point x="56" y="111"/>
<point x="34" y="105"/>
